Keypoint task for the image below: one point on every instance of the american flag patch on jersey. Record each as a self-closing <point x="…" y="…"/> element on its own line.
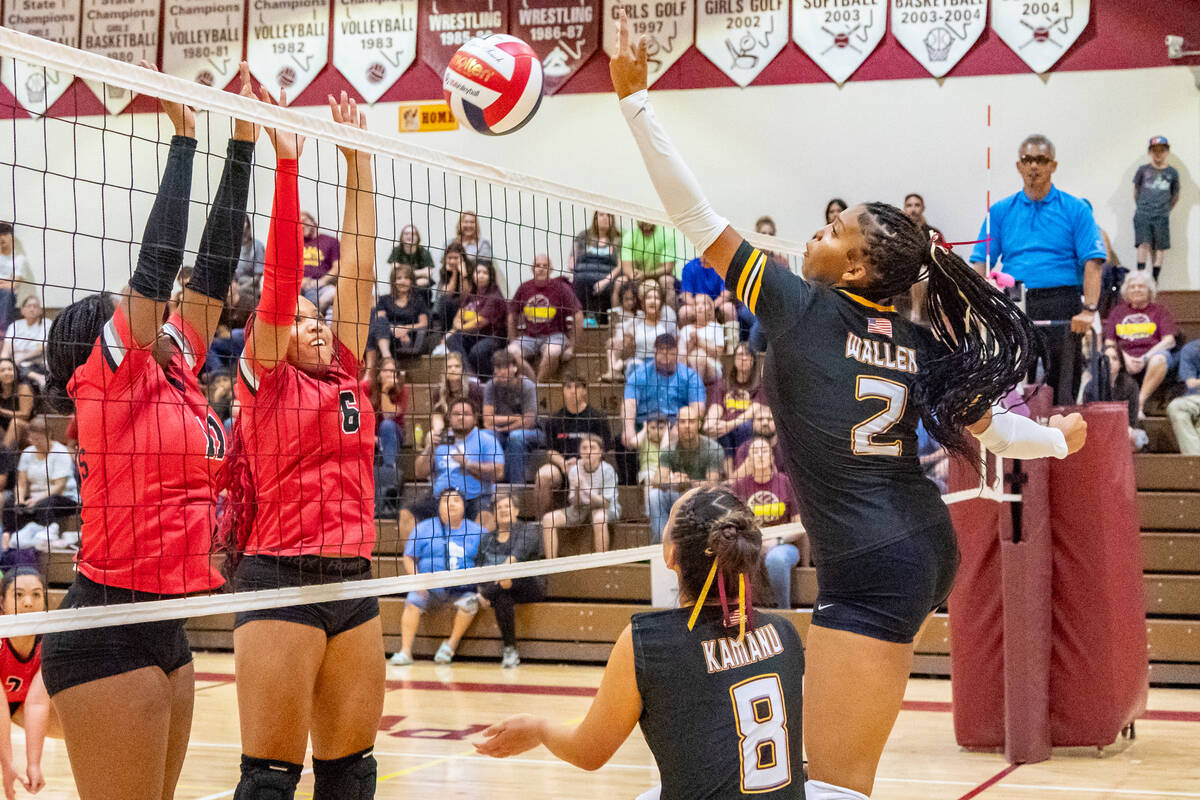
<point x="879" y="325"/>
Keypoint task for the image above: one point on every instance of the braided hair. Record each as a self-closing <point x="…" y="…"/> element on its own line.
<point x="990" y="345"/>
<point x="70" y="342"/>
<point x="712" y="523"/>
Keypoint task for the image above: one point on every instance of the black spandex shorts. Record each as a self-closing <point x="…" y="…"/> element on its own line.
<point x="74" y="657"/>
<point x="275" y="572"/>
<point x="888" y="592"/>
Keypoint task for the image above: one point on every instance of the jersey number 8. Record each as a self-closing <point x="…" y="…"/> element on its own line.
<point x="761" y="719"/>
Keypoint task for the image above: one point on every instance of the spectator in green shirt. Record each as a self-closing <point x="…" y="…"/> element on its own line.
<point x="650" y="253"/>
<point x="695" y="459"/>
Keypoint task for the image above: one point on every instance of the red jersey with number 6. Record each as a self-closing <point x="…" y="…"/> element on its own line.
<point x="18" y="673"/>
<point x="310" y="442"/>
<point x="149" y="452"/>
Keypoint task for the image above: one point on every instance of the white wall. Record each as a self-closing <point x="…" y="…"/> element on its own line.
<point x="781" y="150"/>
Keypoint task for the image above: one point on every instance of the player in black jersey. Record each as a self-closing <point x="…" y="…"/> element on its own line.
<point x="718" y="694"/>
<point x="848" y="379"/>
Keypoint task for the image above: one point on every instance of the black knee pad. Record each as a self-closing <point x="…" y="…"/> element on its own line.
<point x="350" y="777"/>
<point x="267" y="779"/>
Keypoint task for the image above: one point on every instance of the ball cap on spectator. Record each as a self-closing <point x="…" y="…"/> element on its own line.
<point x="1155" y="141"/>
<point x="666" y="340"/>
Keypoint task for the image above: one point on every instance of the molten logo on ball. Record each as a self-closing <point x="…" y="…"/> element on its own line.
<point x="494" y="84"/>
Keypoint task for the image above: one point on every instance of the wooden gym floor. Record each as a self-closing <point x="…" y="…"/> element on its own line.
<point x="432" y="712"/>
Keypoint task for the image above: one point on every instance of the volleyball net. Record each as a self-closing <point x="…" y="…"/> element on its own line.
<point x="79" y="188"/>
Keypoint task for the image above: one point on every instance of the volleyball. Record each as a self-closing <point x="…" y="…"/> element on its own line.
<point x="494" y="84"/>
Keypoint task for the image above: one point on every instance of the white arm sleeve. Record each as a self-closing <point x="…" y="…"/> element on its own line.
<point x="1012" y="436"/>
<point x="677" y="187"/>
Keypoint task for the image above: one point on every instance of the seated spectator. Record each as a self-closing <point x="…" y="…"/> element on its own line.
<point x="465" y="458"/>
<point x="730" y="418"/>
<point x="512" y="542"/>
<point x="411" y="253"/>
<point x="218" y="390"/>
<point x="628" y="306"/>
<point x="562" y="431"/>
<point x="400" y="323"/>
<point x="660" y="385"/>
<point x="445" y="542"/>
<point x="768" y="492"/>
<point x="633" y="341"/>
<point x="251" y="261"/>
<point x="596" y="263"/>
<point x="321" y="253"/>
<point x="16" y="405"/>
<point x="46" y="490"/>
<point x="456" y="384"/>
<point x="510" y="413"/>
<point x="591" y="498"/>
<point x="478" y="328"/>
<point x="762" y="427"/>
<point x="456" y="279"/>
<point x="16" y="276"/>
<point x="694" y="460"/>
<point x="1184" y="411"/>
<point x="703" y="342"/>
<point x="389" y="397"/>
<point x="699" y="279"/>
<point x="1144" y="333"/>
<point x="544" y="321"/>
<point x="653" y="440"/>
<point x="478" y="250"/>
<point x="649" y="252"/>
<point x="25" y="341"/>
<point x="834" y="207"/>
<point x="1122" y="389"/>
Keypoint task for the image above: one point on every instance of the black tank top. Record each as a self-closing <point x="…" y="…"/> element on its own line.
<point x="722" y="718"/>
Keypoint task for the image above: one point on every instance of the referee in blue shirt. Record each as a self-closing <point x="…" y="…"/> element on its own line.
<point x="1049" y="240"/>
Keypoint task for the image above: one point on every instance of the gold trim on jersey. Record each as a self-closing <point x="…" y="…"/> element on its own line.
<point x="750" y="279"/>
<point x="868" y="303"/>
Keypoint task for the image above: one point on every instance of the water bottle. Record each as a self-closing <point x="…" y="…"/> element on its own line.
<point x="418" y="436"/>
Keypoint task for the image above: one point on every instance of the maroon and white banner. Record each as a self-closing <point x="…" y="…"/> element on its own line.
<point x="564" y="34"/>
<point x="374" y="43"/>
<point x="202" y="40"/>
<point x="741" y="36"/>
<point x="446" y="25"/>
<point x="34" y="87"/>
<point x="287" y="44"/>
<point x="670" y="26"/>
<point x="938" y="33"/>
<point x="839" y="34"/>
<point x="125" y="30"/>
<point x="1041" y="31"/>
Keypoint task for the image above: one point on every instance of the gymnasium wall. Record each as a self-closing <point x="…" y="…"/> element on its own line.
<point x="783" y="150"/>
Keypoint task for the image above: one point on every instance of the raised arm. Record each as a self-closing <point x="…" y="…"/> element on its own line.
<point x="221" y="243"/>
<point x="356" y="264"/>
<point x="275" y="318"/>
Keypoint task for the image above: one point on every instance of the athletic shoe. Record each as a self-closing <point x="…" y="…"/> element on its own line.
<point x="510" y="658"/>
<point x="401" y="660"/>
<point x="444" y="654"/>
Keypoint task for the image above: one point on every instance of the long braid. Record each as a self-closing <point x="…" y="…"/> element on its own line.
<point x="990" y="343"/>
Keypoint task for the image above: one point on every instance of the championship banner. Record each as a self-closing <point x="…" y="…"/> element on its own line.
<point x="938" y="33"/>
<point x="125" y="30"/>
<point x="446" y="25"/>
<point x="374" y="43"/>
<point x="839" y="34"/>
<point x="1040" y="32"/>
<point x="288" y="43"/>
<point x="37" y="88"/>
<point x="670" y="27"/>
<point x="564" y="34"/>
<point x="741" y="36"/>
<point x="203" y="40"/>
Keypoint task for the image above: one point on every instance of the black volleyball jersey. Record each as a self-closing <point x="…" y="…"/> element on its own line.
<point x="839" y="379"/>
<point x="721" y="717"/>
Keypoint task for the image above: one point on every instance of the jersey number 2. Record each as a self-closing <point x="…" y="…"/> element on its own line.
<point x="350" y="414"/>
<point x="862" y="435"/>
<point x="761" y="719"/>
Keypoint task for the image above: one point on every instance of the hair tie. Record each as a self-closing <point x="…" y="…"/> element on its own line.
<point x="937" y="240"/>
<point x="712" y="573"/>
<point x="725" y="618"/>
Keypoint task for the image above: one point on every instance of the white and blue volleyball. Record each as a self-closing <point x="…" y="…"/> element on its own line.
<point x="494" y="84"/>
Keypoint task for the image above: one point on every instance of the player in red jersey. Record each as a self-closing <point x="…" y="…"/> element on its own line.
<point x="23" y="591"/>
<point x="302" y="492"/>
<point x="149" y="451"/>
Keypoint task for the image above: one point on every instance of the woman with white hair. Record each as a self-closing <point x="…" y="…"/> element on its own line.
<point x="1144" y="334"/>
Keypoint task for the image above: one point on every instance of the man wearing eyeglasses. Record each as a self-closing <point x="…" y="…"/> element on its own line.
<point x="1048" y="240"/>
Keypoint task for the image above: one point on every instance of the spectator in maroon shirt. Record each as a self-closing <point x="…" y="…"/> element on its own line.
<point x="321" y="253"/>
<point x="549" y="313"/>
<point x="477" y="330"/>
<point x="769" y="494"/>
<point x="1144" y="333"/>
<point x="762" y="427"/>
